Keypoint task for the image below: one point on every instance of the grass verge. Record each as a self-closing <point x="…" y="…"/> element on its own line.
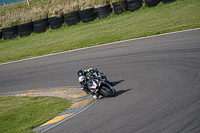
<point x="176" y="16"/>
<point x="21" y="114"/>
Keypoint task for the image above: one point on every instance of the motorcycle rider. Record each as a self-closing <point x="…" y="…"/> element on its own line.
<point x="83" y="80"/>
<point x="89" y="73"/>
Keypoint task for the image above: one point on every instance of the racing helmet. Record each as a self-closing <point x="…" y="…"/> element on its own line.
<point x="82" y="80"/>
<point x="80" y="72"/>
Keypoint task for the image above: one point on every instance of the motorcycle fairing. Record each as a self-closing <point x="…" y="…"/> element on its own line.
<point x="93" y="85"/>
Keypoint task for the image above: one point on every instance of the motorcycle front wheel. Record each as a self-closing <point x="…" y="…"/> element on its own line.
<point x="107" y="91"/>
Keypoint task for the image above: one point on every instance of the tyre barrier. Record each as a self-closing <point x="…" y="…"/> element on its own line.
<point x="10" y="32"/>
<point x="41" y="25"/>
<point x="56" y="22"/>
<point x="25" y="29"/>
<point x="72" y="18"/>
<point x="0" y="35"/>
<point x="118" y="9"/>
<point x="134" y="5"/>
<point x="103" y="12"/>
<point x="167" y="1"/>
<point x="87" y="15"/>
<point x="152" y="3"/>
<point x="124" y="4"/>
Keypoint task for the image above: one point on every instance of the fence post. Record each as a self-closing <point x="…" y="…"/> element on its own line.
<point x="27" y="2"/>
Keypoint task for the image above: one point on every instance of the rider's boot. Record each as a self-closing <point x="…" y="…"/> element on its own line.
<point x="96" y="96"/>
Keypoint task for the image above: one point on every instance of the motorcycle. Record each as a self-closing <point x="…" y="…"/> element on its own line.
<point x="98" y="75"/>
<point x="100" y="87"/>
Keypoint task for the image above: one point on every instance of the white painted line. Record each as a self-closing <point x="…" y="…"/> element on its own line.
<point x="100" y="46"/>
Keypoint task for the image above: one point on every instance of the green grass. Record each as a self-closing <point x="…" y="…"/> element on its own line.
<point x="19" y="13"/>
<point x="22" y="114"/>
<point x="179" y="15"/>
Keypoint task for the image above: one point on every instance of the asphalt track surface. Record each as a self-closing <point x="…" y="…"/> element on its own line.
<point x="157" y="81"/>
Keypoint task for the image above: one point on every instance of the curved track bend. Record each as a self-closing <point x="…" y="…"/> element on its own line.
<point x="157" y="81"/>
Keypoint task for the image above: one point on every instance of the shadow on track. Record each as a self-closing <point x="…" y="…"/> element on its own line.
<point x="122" y="91"/>
<point x="116" y="82"/>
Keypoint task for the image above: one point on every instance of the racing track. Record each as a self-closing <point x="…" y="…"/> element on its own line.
<point x="157" y="81"/>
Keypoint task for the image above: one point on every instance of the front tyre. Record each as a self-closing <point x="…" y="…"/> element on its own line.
<point x="107" y="91"/>
<point x="115" y="93"/>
